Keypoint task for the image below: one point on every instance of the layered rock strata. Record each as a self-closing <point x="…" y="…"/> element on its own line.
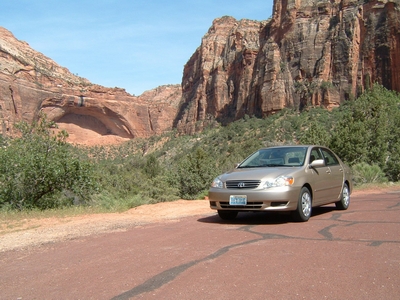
<point x="317" y="53"/>
<point x="309" y="53"/>
<point x="31" y="83"/>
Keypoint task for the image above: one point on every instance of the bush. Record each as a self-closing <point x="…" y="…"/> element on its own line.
<point x="40" y="170"/>
<point x="316" y="134"/>
<point x="365" y="173"/>
<point x="368" y="129"/>
<point x="195" y="174"/>
<point x="392" y="167"/>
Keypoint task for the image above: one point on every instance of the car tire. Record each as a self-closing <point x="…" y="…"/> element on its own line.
<point x="344" y="202"/>
<point x="227" y="214"/>
<point x="304" y="206"/>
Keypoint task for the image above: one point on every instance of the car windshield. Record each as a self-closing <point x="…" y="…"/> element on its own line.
<point x="276" y="157"/>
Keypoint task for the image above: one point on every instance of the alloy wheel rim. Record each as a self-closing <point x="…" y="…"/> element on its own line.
<point x="306" y="204"/>
<point x="346" y="196"/>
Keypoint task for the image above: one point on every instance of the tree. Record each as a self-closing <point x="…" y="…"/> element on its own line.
<point x="365" y="131"/>
<point x="152" y="167"/>
<point x="316" y="134"/>
<point x="349" y="140"/>
<point x="37" y="167"/>
<point x="195" y="174"/>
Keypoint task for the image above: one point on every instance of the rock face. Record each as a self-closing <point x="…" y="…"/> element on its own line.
<point x="309" y="53"/>
<point x="31" y="82"/>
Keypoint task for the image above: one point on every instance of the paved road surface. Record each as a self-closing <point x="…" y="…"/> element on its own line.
<point x="353" y="254"/>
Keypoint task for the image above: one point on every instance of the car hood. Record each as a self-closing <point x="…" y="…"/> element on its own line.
<point x="258" y="173"/>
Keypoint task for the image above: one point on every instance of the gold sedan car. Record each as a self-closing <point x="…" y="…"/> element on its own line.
<point x="284" y="178"/>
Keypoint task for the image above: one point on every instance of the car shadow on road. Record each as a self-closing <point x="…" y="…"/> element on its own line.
<point x="264" y="218"/>
<point x="252" y="218"/>
<point x="323" y="210"/>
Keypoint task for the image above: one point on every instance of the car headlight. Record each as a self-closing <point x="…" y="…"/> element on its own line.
<point x="278" y="182"/>
<point x="217" y="183"/>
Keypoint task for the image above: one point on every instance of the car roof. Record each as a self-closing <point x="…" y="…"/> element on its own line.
<point x="294" y="146"/>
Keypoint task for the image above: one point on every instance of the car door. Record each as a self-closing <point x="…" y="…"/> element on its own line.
<point x="336" y="173"/>
<point x="319" y="178"/>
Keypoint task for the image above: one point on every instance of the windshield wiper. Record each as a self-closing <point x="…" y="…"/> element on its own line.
<point x="262" y="166"/>
<point x="247" y="167"/>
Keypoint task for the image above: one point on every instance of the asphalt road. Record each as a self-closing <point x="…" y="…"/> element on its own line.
<point x="353" y="254"/>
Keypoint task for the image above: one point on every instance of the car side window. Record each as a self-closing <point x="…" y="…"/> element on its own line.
<point x="315" y="154"/>
<point x="330" y="158"/>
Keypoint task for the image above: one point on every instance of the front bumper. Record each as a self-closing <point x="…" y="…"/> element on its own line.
<point x="272" y="199"/>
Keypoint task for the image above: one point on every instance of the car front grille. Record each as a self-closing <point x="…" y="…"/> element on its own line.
<point x="242" y="184"/>
<point x="249" y="205"/>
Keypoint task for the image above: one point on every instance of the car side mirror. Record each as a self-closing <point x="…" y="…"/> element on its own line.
<point x="317" y="163"/>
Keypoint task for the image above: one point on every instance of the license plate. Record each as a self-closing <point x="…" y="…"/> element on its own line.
<point x="238" y="200"/>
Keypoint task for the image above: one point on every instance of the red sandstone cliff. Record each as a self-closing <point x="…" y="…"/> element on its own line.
<point x="31" y="82"/>
<point x="308" y="53"/>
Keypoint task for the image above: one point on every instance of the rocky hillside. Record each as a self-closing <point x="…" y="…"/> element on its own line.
<point x="308" y="53"/>
<point x="31" y="82"/>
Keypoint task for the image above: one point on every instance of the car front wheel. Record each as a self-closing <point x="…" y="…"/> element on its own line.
<point x="304" y="206"/>
<point x="227" y="214"/>
<point x="344" y="202"/>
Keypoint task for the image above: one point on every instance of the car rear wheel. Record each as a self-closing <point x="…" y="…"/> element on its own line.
<point x="304" y="206"/>
<point x="227" y="214"/>
<point x="344" y="202"/>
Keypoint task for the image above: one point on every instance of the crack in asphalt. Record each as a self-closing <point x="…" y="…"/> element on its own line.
<point x="396" y="205"/>
<point x="325" y="232"/>
<point x="162" y="278"/>
<point x="169" y="275"/>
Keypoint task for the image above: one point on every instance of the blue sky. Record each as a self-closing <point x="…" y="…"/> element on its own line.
<point x="133" y="44"/>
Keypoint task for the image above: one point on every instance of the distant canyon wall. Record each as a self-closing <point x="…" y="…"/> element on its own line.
<point x="309" y="53"/>
<point x="31" y="83"/>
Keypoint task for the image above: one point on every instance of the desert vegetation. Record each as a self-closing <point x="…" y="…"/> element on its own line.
<point x="40" y="170"/>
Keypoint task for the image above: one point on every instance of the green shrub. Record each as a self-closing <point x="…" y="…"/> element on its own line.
<point x="152" y="167"/>
<point x="368" y="128"/>
<point x="195" y="174"/>
<point x="315" y="134"/>
<point x="392" y="166"/>
<point x="365" y="173"/>
<point x="40" y="170"/>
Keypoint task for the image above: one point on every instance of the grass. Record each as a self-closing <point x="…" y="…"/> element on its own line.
<point x="12" y="220"/>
